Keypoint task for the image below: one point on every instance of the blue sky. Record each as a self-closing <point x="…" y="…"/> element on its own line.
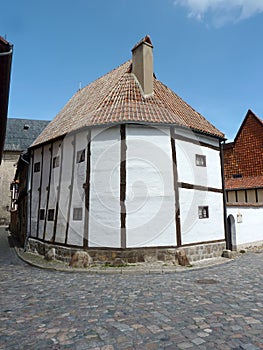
<point x="207" y="51"/>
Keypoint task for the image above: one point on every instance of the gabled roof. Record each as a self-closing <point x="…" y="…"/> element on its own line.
<point x="243" y="165"/>
<point x="21" y="133"/>
<point x="250" y="113"/>
<point x="117" y="98"/>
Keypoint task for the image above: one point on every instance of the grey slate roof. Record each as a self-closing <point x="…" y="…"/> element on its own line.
<point x="19" y="137"/>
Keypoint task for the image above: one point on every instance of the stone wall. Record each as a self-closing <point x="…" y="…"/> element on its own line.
<point x="194" y="253"/>
<point x="7" y="173"/>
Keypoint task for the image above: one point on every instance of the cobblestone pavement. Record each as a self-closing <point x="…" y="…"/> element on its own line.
<point x="219" y="307"/>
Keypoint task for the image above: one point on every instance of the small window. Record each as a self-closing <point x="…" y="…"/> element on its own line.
<point x="14" y="195"/>
<point x="55" y="162"/>
<point x="37" y="167"/>
<point x="200" y="160"/>
<point x="77" y="214"/>
<point x="203" y="212"/>
<point x="237" y="176"/>
<point x="41" y="214"/>
<point x="81" y="156"/>
<point x="51" y="214"/>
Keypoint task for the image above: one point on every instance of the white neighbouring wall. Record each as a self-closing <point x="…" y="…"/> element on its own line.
<point x="104" y="213"/>
<point x="250" y="229"/>
<point x="195" y="230"/>
<point x="189" y="172"/>
<point x="150" y="196"/>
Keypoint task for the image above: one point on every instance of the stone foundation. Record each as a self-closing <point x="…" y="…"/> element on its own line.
<point x="131" y="255"/>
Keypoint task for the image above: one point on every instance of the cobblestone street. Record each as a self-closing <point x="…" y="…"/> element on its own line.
<point x="219" y="307"/>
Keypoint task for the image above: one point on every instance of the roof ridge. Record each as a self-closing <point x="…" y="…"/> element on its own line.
<point x="28" y="119"/>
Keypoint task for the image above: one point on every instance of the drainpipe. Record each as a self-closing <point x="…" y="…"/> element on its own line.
<point x="28" y="229"/>
<point x="222" y="142"/>
<point x="27" y="163"/>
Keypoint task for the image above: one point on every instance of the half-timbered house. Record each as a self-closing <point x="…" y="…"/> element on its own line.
<point x="127" y="165"/>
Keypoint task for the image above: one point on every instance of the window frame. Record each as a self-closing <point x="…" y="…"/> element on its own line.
<point x="203" y="212"/>
<point x="77" y="214"/>
<point x="50" y="214"/>
<point x="37" y="167"/>
<point x="41" y="214"/>
<point x="81" y="156"/>
<point x="55" y="162"/>
<point x="200" y="160"/>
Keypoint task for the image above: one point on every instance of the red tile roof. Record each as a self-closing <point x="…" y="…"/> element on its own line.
<point x="117" y="98"/>
<point x="244" y="183"/>
<point x="244" y="155"/>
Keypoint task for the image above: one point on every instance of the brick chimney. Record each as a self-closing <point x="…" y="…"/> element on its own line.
<point x="142" y="64"/>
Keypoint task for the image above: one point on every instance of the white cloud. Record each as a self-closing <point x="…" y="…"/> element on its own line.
<point x="221" y="11"/>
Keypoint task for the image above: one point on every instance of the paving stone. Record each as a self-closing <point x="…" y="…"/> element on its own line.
<point x="203" y="334"/>
<point x="185" y="345"/>
<point x="82" y="310"/>
<point x="249" y="347"/>
<point x="198" y="341"/>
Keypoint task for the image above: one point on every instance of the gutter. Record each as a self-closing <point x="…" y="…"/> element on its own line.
<point x="7" y="53"/>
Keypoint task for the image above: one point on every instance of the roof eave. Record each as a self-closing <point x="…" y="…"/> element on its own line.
<point x="55" y="139"/>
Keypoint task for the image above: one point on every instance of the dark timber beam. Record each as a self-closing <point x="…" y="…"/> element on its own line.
<point x="86" y="187"/>
<point x="176" y="190"/>
<point x="123" y="185"/>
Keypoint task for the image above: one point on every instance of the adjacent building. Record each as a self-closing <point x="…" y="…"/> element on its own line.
<point x="20" y="134"/>
<point x="127" y="165"/>
<point x="243" y="169"/>
<point x="6" y="53"/>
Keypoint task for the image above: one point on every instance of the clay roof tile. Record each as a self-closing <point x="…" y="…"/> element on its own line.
<point x="116" y="98"/>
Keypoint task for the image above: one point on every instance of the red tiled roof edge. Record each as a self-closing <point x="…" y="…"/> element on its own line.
<point x="244" y="183"/>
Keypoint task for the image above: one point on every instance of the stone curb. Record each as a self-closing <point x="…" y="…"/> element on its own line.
<point x="123" y="270"/>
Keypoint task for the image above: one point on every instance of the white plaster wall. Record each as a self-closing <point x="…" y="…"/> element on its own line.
<point x="67" y="164"/>
<point x="196" y="230"/>
<point x="212" y="141"/>
<point x="104" y="215"/>
<point x="251" y="228"/>
<point x="53" y="192"/>
<point x="150" y="198"/>
<point x="45" y="180"/>
<point x="76" y="227"/>
<point x="189" y="172"/>
<point x="35" y="193"/>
